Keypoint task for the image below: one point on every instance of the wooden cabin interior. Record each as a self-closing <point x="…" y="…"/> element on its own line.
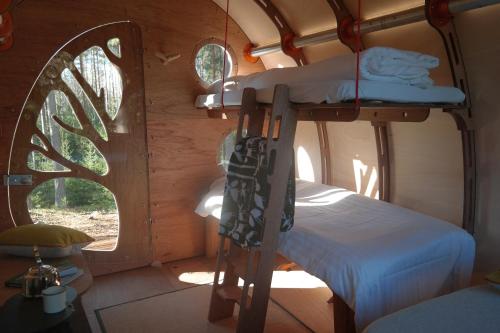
<point x="166" y="132"/>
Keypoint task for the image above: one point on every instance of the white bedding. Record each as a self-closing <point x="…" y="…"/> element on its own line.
<point x="380" y="64"/>
<point x="377" y="256"/>
<point x="335" y="91"/>
<point x="475" y="309"/>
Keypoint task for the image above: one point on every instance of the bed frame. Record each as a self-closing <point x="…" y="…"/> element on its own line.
<point x="278" y="121"/>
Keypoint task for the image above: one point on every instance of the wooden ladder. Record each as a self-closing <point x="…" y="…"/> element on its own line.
<point x="255" y="265"/>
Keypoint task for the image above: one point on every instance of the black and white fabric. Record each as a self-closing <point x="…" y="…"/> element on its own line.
<point x="246" y="194"/>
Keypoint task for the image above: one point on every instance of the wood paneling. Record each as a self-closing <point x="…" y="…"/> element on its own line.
<point x="182" y="142"/>
<point x="428" y="171"/>
<point x="182" y="166"/>
<point x="354" y="156"/>
<point x="308" y="162"/>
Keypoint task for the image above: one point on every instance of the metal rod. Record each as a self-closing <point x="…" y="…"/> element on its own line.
<point x="413" y="15"/>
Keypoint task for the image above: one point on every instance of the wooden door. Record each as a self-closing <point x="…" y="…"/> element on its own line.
<point x="118" y="136"/>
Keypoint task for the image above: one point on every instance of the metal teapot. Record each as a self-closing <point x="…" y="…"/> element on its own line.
<point x="39" y="277"/>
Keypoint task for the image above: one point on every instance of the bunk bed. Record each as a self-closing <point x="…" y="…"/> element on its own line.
<point x="377" y="257"/>
<point x="272" y="111"/>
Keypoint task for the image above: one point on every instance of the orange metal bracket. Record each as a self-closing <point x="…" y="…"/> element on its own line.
<point x="345" y="24"/>
<point x="247" y="53"/>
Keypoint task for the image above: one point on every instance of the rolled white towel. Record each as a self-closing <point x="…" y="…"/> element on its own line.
<point x="397" y="66"/>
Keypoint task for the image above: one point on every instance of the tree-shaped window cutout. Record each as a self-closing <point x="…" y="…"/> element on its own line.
<point x="85" y="102"/>
<point x="73" y="128"/>
<point x="124" y="150"/>
<point x="62" y="132"/>
<point x="103" y="77"/>
<point x="114" y="47"/>
<point x="88" y="207"/>
<point x="35" y="139"/>
<point x="37" y="161"/>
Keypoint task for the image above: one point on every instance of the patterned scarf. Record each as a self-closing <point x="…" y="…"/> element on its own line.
<point x="246" y="194"/>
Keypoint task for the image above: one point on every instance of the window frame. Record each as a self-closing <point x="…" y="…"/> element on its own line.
<point x="216" y="41"/>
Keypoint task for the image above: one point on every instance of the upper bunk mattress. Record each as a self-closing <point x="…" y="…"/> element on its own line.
<point x="335" y="91"/>
<point x="377" y="256"/>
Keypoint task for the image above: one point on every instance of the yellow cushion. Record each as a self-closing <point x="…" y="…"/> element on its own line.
<point x="43" y="235"/>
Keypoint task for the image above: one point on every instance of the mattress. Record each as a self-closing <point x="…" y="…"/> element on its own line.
<point x="343" y="90"/>
<point x="377" y="256"/>
<point x="475" y="309"/>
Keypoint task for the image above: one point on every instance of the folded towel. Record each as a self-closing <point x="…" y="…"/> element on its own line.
<point x="397" y="66"/>
<point x="376" y="64"/>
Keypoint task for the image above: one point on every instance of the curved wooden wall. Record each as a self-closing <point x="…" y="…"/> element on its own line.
<point x="181" y="165"/>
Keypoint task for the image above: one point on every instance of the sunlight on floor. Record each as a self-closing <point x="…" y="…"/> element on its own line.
<point x="281" y="279"/>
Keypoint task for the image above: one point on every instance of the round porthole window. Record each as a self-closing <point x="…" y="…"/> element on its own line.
<point x="209" y="61"/>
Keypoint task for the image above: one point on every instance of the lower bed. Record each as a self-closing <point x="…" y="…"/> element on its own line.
<point x="378" y="257"/>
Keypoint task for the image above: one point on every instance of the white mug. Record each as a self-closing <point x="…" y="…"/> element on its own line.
<point x="54" y="299"/>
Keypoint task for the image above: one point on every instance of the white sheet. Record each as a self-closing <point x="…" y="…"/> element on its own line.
<point x="377" y="256"/>
<point x="475" y="309"/>
<point x="335" y="91"/>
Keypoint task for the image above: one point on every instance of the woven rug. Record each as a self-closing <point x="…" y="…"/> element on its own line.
<point x="184" y="311"/>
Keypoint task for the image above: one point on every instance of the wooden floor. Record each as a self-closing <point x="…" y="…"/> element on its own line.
<point x="299" y="295"/>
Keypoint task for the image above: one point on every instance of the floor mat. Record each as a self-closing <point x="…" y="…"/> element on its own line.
<point x="184" y="311"/>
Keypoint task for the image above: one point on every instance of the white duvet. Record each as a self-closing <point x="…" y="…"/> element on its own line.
<point x="377" y="256"/>
<point x="386" y="74"/>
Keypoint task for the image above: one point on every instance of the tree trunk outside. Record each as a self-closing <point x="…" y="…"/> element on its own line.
<point x="55" y="140"/>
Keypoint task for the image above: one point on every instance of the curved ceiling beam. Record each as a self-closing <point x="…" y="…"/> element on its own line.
<point x="345" y="24"/>
<point x="439" y="15"/>
<point x="347" y="35"/>
<point x="286" y="33"/>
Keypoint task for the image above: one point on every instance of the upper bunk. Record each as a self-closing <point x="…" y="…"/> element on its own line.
<point x="394" y="85"/>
